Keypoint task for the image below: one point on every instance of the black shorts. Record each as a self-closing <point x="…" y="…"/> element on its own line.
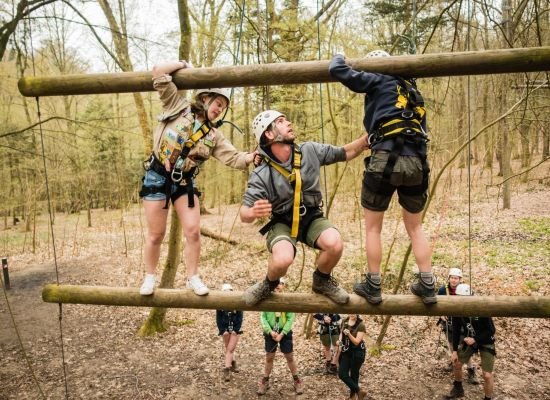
<point x="285" y="344"/>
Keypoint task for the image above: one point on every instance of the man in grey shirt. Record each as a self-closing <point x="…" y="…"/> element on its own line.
<point x="286" y="187"/>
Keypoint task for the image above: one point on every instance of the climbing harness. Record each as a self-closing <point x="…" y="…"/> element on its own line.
<point x="409" y="129"/>
<point x="295" y="178"/>
<point x="184" y="180"/>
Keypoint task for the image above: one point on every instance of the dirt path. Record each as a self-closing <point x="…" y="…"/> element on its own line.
<point x="106" y="360"/>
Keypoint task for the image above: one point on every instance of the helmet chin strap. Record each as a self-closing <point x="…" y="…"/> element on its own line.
<point x="279" y="138"/>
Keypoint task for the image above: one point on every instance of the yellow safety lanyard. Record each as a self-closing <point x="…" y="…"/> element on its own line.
<point x="296" y="177"/>
<point x="195" y="137"/>
<point x="177" y="172"/>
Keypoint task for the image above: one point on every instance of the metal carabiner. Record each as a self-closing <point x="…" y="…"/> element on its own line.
<point x="177" y="176"/>
<point x="302" y="213"/>
<point x="407" y="114"/>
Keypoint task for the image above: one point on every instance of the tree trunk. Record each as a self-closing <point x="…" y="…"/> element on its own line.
<point x="155" y="321"/>
<point x="120" y="40"/>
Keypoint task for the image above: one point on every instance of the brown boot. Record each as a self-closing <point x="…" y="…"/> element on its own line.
<point x="361" y="395"/>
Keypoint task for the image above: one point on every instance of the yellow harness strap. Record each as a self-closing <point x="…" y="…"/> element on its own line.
<point x="195" y="137"/>
<point x="294" y="176"/>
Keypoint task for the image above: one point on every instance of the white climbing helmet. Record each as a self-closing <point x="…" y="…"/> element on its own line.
<point x="226" y="287"/>
<point x="262" y="121"/>
<point x="225" y="92"/>
<point x="455" y="272"/>
<point x="378" y="53"/>
<point x="463" y="290"/>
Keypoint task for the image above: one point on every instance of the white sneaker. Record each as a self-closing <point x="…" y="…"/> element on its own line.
<point x="197" y="285"/>
<point x="148" y="285"/>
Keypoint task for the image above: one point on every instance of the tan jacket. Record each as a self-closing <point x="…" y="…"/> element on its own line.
<point x="175" y="125"/>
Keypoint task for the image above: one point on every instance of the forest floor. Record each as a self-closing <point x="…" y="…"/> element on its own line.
<point x="106" y="359"/>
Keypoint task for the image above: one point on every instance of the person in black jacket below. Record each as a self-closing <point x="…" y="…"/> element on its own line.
<point x="229" y="326"/>
<point x="395" y="120"/>
<point x="479" y="336"/>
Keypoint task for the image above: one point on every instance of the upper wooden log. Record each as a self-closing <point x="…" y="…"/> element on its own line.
<point x="420" y="66"/>
<point x="495" y="306"/>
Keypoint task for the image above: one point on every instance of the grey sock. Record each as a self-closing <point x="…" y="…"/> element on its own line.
<point x="374" y="278"/>
<point x="427" y="278"/>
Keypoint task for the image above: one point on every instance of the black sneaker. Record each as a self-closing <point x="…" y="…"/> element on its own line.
<point x="329" y="287"/>
<point x="226" y="374"/>
<point x="456" y="392"/>
<point x="426" y="292"/>
<point x="256" y="293"/>
<point x="472" y="377"/>
<point x="369" y="290"/>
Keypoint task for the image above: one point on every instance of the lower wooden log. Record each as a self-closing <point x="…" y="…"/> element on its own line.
<point x="495" y="306"/>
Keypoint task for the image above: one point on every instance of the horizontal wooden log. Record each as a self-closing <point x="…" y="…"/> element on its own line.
<point x="496" y="306"/>
<point x="420" y="66"/>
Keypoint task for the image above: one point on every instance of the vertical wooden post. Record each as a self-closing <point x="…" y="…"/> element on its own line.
<point x="6" y="273"/>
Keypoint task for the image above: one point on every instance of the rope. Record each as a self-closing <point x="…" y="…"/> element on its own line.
<point x="321" y="98"/>
<point x="50" y="219"/>
<point x="469" y="154"/>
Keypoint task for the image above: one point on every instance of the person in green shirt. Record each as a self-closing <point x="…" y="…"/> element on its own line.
<point x="277" y="330"/>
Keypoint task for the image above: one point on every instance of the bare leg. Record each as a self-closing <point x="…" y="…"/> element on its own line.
<point x="282" y="255"/>
<point x="420" y="245"/>
<point x="291" y="363"/>
<point x="190" y="221"/>
<point x="230" y="349"/>
<point x="373" y="241"/>
<point x="488" y="383"/>
<point x="155" y="217"/>
<point x="269" y="357"/>
<point x="331" y="245"/>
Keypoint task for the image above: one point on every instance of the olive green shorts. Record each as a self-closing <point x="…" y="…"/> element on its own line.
<point x="487" y="356"/>
<point x="407" y="172"/>
<point x="327" y="340"/>
<point x="281" y="231"/>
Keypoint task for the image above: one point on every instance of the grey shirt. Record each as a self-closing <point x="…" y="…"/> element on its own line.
<point x="267" y="183"/>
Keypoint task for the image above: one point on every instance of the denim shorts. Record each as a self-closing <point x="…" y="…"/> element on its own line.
<point x="154" y="180"/>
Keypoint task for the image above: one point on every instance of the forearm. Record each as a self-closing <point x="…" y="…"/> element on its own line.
<point x="356" y="147"/>
<point x="247" y="214"/>
<point x="167" y="68"/>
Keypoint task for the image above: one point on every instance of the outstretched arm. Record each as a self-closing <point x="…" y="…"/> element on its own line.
<point x="356" y="147"/>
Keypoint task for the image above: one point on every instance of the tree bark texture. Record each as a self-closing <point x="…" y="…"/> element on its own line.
<point x="482" y="306"/>
<point x="420" y="66"/>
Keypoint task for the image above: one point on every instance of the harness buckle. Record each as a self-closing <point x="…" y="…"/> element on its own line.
<point x="407" y="114"/>
<point x="147" y="163"/>
<point x="177" y="176"/>
<point x="303" y="210"/>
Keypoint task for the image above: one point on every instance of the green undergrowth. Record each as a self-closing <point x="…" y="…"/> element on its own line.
<point x="376" y="351"/>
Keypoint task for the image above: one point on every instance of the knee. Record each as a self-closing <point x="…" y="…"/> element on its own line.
<point x="331" y="242"/>
<point x="283" y="256"/>
<point x="289" y="357"/>
<point x="487" y="376"/>
<point x="155" y="238"/>
<point x="192" y="235"/>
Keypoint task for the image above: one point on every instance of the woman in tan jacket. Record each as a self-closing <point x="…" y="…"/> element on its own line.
<point x="185" y="138"/>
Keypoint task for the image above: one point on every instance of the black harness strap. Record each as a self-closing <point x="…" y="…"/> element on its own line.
<point x="187" y="188"/>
